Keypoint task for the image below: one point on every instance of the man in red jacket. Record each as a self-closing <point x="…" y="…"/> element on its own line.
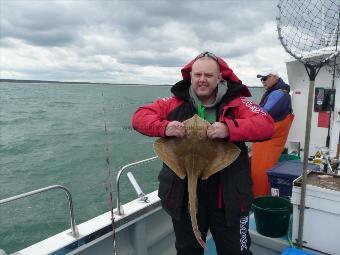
<point x="211" y="89"/>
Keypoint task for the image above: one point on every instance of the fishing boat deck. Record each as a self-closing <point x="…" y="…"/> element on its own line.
<point x="143" y="229"/>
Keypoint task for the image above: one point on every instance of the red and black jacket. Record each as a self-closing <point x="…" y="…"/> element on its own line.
<point x="246" y="122"/>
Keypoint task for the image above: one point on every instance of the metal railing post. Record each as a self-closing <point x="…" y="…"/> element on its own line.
<point x="74" y="229"/>
<point x="121" y="170"/>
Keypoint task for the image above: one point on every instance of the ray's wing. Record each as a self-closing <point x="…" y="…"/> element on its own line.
<point x="174" y="153"/>
<point x="218" y="155"/>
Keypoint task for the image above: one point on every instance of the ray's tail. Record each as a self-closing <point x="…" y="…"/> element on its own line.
<point x="192" y="189"/>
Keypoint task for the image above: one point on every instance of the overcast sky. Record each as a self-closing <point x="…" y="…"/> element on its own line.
<point x="136" y="41"/>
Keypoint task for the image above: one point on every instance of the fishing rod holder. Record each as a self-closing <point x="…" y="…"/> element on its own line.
<point x="139" y="191"/>
<point x="74" y="228"/>
<point x="133" y="181"/>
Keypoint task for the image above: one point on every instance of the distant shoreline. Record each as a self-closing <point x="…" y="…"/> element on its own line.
<point x="79" y="82"/>
<point x="89" y="83"/>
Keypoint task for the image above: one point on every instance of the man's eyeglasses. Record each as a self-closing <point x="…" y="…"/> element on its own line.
<point x="265" y="77"/>
<point x="207" y="54"/>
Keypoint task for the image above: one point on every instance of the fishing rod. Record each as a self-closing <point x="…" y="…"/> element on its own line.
<point x="109" y="178"/>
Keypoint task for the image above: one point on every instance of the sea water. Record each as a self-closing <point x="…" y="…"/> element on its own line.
<point x="53" y="133"/>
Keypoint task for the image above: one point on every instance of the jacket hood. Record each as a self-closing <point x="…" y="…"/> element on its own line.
<point x="181" y="90"/>
<point x="227" y="74"/>
<point x="279" y="85"/>
<point x="282" y="85"/>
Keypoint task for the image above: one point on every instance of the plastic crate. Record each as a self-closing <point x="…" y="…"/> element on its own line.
<point x="322" y="215"/>
<point x="294" y="251"/>
<point x="282" y="175"/>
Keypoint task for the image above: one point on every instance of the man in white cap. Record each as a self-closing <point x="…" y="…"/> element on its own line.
<point x="277" y="102"/>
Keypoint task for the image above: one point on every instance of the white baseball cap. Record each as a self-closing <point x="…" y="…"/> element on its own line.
<point x="267" y="73"/>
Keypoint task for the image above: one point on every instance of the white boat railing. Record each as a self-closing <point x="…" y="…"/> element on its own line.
<point x="121" y="170"/>
<point x="74" y="228"/>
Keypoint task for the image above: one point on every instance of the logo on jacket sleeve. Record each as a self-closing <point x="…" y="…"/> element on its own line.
<point x="253" y="106"/>
<point x="166" y="98"/>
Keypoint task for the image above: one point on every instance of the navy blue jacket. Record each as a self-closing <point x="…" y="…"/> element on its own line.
<point x="277" y="101"/>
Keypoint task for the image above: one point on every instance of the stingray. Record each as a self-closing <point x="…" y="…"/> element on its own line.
<point x="197" y="157"/>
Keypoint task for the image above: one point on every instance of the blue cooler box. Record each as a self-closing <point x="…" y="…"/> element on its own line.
<point x="282" y="175"/>
<point x="294" y="251"/>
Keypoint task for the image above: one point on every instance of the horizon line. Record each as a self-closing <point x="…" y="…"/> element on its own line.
<point x="88" y="82"/>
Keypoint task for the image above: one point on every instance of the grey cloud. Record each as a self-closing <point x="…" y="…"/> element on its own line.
<point x="233" y="18"/>
<point x="132" y="32"/>
<point x="154" y="61"/>
<point x="60" y="23"/>
<point x="209" y="21"/>
<point x="51" y="37"/>
<point x="42" y="23"/>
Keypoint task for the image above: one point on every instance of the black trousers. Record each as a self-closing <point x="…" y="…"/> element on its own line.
<point x="233" y="240"/>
